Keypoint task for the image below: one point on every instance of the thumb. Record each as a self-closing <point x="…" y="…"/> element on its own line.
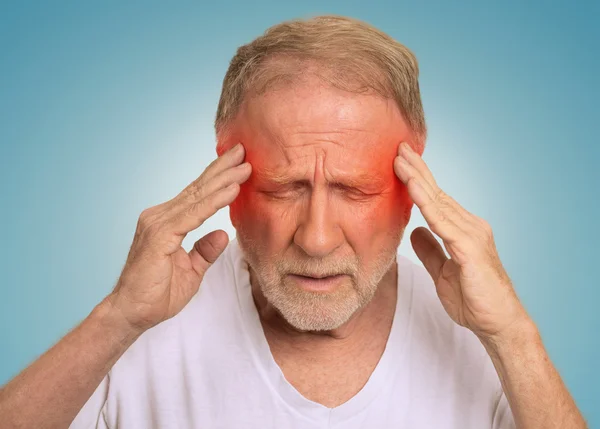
<point x="207" y="250"/>
<point x="429" y="251"/>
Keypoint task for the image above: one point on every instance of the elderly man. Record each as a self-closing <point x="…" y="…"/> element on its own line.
<point x="309" y="318"/>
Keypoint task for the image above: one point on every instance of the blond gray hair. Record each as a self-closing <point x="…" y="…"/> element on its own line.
<point x="347" y="53"/>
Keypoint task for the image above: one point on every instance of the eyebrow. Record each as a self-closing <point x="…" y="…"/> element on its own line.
<point x="353" y="181"/>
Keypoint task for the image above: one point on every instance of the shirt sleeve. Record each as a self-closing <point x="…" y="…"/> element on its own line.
<point x="91" y="416"/>
<point x="503" y="417"/>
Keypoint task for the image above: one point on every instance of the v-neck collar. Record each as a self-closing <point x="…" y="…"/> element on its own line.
<point x="383" y="373"/>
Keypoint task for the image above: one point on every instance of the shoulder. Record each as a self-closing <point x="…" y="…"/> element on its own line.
<point x="208" y="317"/>
<point x="439" y="343"/>
<point x="428" y="317"/>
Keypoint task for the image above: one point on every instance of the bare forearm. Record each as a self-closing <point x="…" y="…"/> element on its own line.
<point x="52" y="390"/>
<point x="535" y="391"/>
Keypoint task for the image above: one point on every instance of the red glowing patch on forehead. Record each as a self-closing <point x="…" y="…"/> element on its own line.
<point x="315" y="135"/>
<point x="368" y="177"/>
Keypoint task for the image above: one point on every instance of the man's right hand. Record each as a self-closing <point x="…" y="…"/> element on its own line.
<point x="160" y="277"/>
<point x="158" y="280"/>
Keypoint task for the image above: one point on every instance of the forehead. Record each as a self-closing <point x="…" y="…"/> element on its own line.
<point x="290" y="128"/>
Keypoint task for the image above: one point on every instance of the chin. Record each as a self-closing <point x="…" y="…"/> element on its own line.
<point x="314" y="321"/>
<point x="310" y="311"/>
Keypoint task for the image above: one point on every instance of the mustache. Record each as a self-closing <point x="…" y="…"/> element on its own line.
<point x="318" y="269"/>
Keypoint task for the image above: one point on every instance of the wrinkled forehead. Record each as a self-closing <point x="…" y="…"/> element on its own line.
<point x="311" y="117"/>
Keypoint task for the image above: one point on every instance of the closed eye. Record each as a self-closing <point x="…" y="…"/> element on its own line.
<point x="296" y="189"/>
<point x="352" y="192"/>
<point x="286" y="191"/>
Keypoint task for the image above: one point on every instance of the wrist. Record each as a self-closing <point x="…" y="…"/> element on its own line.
<point x="112" y="319"/>
<point x="520" y="334"/>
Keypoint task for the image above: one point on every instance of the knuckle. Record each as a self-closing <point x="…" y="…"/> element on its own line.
<point x="196" y="192"/>
<point x="145" y="219"/>
<point x="442" y="202"/>
<point x="438" y="207"/>
<point x="150" y="216"/>
<point x="437" y="218"/>
<point x="440" y="217"/>
<point x="153" y="226"/>
<point x="145" y="214"/>
<point x="201" y="205"/>
<point x="485" y="226"/>
<point x="440" y="197"/>
<point x="411" y="179"/>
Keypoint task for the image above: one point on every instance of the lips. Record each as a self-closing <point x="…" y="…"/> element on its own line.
<point x="316" y="276"/>
<point x="318" y="284"/>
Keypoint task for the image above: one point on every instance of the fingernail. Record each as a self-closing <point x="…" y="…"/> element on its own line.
<point x="236" y="148"/>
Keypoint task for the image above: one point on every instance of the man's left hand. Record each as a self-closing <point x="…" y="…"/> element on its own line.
<point x="472" y="284"/>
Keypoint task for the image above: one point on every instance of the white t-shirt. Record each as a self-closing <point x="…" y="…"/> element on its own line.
<point x="210" y="366"/>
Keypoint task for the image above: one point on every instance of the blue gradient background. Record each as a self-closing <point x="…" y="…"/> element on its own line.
<point x="107" y="109"/>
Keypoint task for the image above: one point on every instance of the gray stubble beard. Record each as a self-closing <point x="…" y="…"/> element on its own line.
<point x="314" y="311"/>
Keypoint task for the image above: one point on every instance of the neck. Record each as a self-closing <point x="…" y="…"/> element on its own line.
<point x="376" y="316"/>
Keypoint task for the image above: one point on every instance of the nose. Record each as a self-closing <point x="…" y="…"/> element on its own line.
<point x="318" y="233"/>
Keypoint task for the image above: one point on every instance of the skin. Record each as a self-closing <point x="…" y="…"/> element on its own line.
<point x="160" y="277"/>
<point x="477" y="293"/>
<point x="322" y="199"/>
<point x="158" y="280"/>
<point x="313" y="136"/>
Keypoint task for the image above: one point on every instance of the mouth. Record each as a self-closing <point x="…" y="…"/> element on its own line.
<point x="316" y="276"/>
<point x="317" y="283"/>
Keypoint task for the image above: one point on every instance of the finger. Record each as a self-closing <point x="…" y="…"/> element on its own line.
<point x="442" y="220"/>
<point x="238" y="174"/>
<point x="194" y="215"/>
<point x="429" y="251"/>
<point x="431" y="254"/>
<point x="229" y="159"/>
<point x="405" y="151"/>
<point x="206" y="250"/>
<point x="437" y="207"/>
<point x="417" y="162"/>
<point x="412" y="178"/>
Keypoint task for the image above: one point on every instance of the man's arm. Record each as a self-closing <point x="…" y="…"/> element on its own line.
<point x="477" y="293"/>
<point x="537" y="396"/>
<point x="51" y="391"/>
<point x="158" y="280"/>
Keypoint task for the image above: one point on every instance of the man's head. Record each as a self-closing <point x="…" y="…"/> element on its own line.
<point x="320" y="107"/>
